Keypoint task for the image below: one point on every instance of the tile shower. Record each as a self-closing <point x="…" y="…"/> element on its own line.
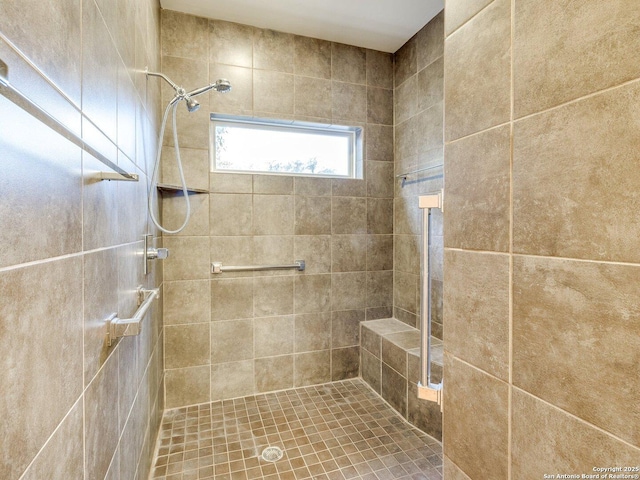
<point x="538" y="115"/>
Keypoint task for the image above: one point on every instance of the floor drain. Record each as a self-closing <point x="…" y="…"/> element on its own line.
<point x="272" y="454"/>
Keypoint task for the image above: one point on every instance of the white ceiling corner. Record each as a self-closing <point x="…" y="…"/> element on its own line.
<point x="383" y="25"/>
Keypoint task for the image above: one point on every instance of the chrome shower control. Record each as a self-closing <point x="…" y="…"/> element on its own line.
<point x="157" y="253"/>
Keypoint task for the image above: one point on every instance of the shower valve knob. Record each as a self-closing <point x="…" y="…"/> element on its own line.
<point x="157" y="253"/>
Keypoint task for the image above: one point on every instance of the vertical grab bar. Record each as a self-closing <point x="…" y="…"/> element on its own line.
<point x="426" y="389"/>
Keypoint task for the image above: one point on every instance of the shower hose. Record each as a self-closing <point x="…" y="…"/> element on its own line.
<point x="156" y="170"/>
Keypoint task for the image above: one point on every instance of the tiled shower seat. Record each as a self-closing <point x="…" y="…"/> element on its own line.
<point x="390" y="362"/>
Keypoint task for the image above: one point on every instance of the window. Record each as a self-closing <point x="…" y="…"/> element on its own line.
<point x="249" y="145"/>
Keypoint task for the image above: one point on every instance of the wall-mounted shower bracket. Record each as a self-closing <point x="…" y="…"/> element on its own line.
<point x="127" y="327"/>
<point x="431" y="392"/>
<point x="151" y="253"/>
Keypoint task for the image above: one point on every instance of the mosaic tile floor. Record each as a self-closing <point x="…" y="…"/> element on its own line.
<point x="337" y="431"/>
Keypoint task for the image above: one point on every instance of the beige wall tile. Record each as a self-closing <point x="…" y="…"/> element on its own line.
<point x="174" y="214"/>
<point x="232" y="380"/>
<point x="230" y="43"/>
<point x="237" y="101"/>
<point x="476" y="440"/>
<point x="345" y="363"/>
<point x="394" y="389"/>
<point x="380" y="216"/>
<point x="273" y="373"/>
<point x="348" y="253"/>
<point x="194" y="162"/>
<point x="312" y="293"/>
<point x="371" y="370"/>
<point x="315" y="250"/>
<point x="319" y="187"/>
<point x="545" y="439"/>
<point x="458" y="12"/>
<point x="561" y="54"/>
<point x="379" y="252"/>
<point x="379" y="288"/>
<point x="232" y="251"/>
<point x="273" y="92"/>
<point x="101" y="430"/>
<point x="348" y="63"/>
<point x="273" y="215"/>
<point x="59" y="219"/>
<point x="273" y="184"/>
<point x="478" y="192"/>
<point x="185" y="72"/>
<point x="273" y="50"/>
<point x="188" y="258"/>
<point x="312" y="368"/>
<point x="405" y="291"/>
<point x="379" y="69"/>
<point x="273" y="336"/>
<point x="431" y="84"/>
<point x="405" y="99"/>
<point x="312" y="215"/>
<point x="349" y="102"/>
<point x="423" y="414"/>
<point x="348" y="215"/>
<point x="312" y="57"/>
<point x="193" y="129"/>
<point x="562" y="162"/>
<point x="53" y="42"/>
<point x="379" y="143"/>
<point x="595" y="341"/>
<point x="232" y="341"/>
<point x="345" y="328"/>
<point x="231" y="183"/>
<point x="405" y="62"/>
<point x="430" y="41"/>
<point x="186" y="302"/>
<point x="312" y="97"/>
<point x="185" y="35"/>
<point x="477" y="90"/>
<point x="271" y="250"/>
<point x="66" y="444"/>
<point x="99" y="207"/>
<point x="187" y="386"/>
<point x="476" y="304"/>
<point x="100" y="298"/>
<point x="380" y="180"/>
<point x="379" y="106"/>
<point x="346" y="187"/>
<point x="406" y="252"/>
<point x="273" y="296"/>
<point x="232" y="299"/>
<point x="312" y="332"/>
<point x="451" y="471"/>
<point x="348" y="290"/>
<point x="51" y="379"/>
<point x="231" y="214"/>
<point x="186" y="345"/>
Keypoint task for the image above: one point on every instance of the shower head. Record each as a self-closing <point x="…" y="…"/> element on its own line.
<point x="222" y="86"/>
<point x="192" y="105"/>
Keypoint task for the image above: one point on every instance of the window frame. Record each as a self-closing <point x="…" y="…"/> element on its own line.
<point x="352" y="133"/>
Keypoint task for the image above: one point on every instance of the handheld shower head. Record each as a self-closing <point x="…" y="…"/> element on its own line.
<point x="222" y="86"/>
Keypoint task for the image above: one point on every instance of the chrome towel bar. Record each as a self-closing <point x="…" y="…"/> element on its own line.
<point x="217" y="267"/>
<point x="126" y="327"/>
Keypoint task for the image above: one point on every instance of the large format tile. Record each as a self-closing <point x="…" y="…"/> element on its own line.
<point x="458" y="12"/>
<point x="41" y="324"/>
<point x="573" y="181"/>
<point x="186" y="345"/>
<point x="476" y="438"/>
<point x="546" y="439"/>
<point x="476" y="305"/>
<point x="565" y="51"/>
<point x="185" y="35"/>
<point x="477" y="90"/>
<point x="41" y="208"/>
<point x="230" y="43"/>
<point x="477" y="210"/>
<point x="575" y="330"/>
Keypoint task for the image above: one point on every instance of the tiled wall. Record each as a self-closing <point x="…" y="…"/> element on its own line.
<point x="70" y="246"/>
<point x="418" y="99"/>
<point x="541" y="238"/>
<point x="238" y="334"/>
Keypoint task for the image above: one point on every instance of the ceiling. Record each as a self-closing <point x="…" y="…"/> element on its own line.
<point x="383" y="25"/>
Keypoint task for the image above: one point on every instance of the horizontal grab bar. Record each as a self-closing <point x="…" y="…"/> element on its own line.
<point x="217" y="267"/>
<point x="425" y="169"/>
<point x="126" y="327"/>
